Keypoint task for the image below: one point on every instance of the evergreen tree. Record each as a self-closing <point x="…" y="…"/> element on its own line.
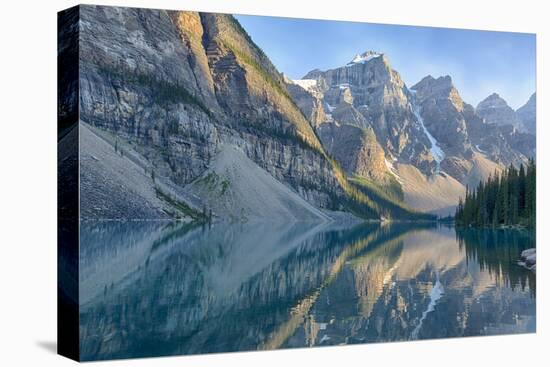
<point x="508" y="198"/>
<point x="522" y="182"/>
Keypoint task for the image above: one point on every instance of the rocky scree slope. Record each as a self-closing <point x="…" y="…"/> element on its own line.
<point x="177" y="86"/>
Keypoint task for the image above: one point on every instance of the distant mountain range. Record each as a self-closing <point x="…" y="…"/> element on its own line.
<point x="426" y="137"/>
<point x="495" y="110"/>
<point x="164" y="96"/>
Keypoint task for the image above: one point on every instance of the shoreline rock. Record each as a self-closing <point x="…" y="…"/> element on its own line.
<point x="528" y="259"/>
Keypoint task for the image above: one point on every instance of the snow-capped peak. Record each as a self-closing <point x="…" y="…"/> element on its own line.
<point x="364" y="57"/>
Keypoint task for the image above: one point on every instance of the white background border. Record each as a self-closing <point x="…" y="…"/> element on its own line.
<point x="28" y="182"/>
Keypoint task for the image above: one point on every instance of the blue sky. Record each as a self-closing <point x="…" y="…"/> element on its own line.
<point x="480" y="62"/>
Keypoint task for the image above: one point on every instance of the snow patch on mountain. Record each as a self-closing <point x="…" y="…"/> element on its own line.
<point x="307" y="84"/>
<point x="435" y="149"/>
<point x="364" y="57"/>
<point x="437" y="152"/>
<point x="479" y="149"/>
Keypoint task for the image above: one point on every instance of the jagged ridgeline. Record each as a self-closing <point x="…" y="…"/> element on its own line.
<point x="183" y="115"/>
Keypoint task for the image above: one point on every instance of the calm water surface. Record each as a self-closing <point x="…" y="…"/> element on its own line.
<point x="158" y="288"/>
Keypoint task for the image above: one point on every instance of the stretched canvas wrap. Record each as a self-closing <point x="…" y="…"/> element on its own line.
<point x="237" y="183"/>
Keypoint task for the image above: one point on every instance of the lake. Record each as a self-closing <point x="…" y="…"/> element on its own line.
<point x="168" y="288"/>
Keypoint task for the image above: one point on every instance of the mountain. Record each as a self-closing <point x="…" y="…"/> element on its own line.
<point x="503" y="135"/>
<point x="474" y="147"/>
<point x="426" y="140"/>
<point x="367" y="92"/>
<point x="528" y="114"/>
<point x="443" y="113"/>
<point x="365" y="117"/>
<point x="171" y="93"/>
<point x="476" y="142"/>
<point x="495" y="110"/>
<point x="188" y="84"/>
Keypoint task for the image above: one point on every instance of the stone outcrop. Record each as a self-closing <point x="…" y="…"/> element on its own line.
<point x="309" y="101"/>
<point x="528" y="259"/>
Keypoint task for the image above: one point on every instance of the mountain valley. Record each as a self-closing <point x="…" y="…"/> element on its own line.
<point x="182" y="95"/>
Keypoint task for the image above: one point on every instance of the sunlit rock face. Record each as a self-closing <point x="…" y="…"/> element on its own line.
<point x="368" y="92"/>
<point x="356" y="149"/>
<point x="180" y="85"/>
<point x="428" y="126"/>
<point x="504" y="134"/>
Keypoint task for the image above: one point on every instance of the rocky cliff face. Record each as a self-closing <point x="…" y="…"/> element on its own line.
<point x="443" y="110"/>
<point x="178" y="85"/>
<point x="308" y="99"/>
<point x="356" y="149"/>
<point x="428" y="128"/>
<point x="495" y="110"/>
<point x="171" y="89"/>
<point x="67" y="69"/>
<point x="367" y="92"/>
<point x="466" y="134"/>
<point x="528" y="114"/>
<point x="502" y="136"/>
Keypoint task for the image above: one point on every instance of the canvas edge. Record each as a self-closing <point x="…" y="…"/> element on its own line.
<point x="68" y="343"/>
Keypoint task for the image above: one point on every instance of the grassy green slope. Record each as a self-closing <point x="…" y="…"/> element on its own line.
<point x="389" y="199"/>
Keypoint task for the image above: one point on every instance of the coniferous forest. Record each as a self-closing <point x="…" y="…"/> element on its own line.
<point x="508" y="198"/>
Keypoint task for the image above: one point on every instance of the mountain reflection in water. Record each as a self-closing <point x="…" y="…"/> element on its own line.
<point x="167" y="288"/>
